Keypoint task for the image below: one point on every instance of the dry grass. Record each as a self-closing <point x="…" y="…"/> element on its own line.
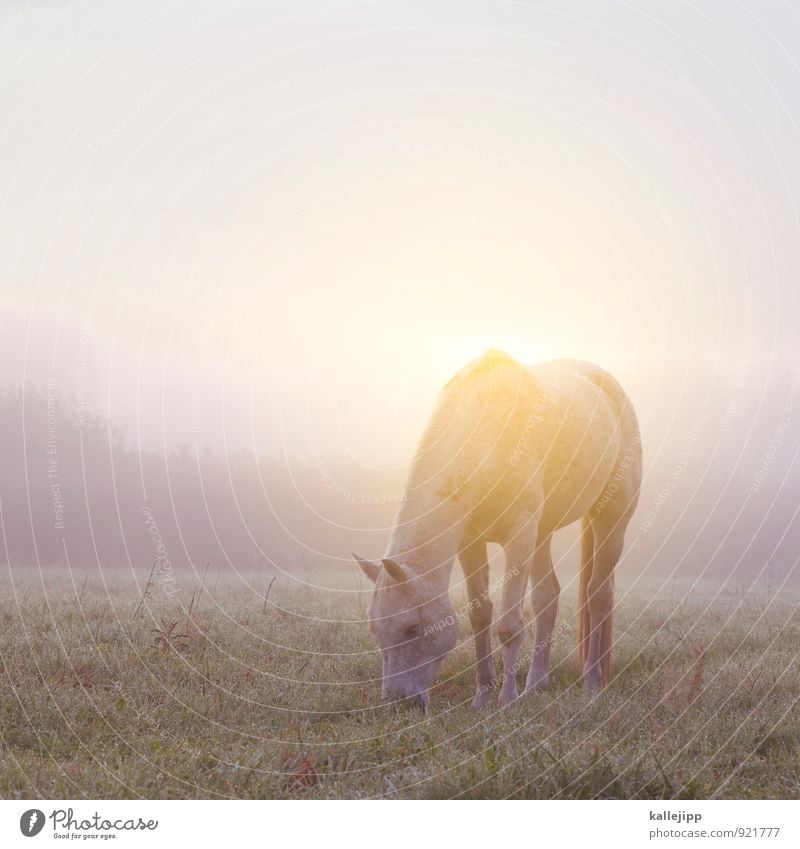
<point x="219" y="693"/>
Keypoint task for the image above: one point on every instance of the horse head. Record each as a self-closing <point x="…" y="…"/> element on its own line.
<point x="412" y="619"/>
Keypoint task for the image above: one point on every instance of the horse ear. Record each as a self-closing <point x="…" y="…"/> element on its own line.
<point x="369" y="568"/>
<point x="394" y="570"/>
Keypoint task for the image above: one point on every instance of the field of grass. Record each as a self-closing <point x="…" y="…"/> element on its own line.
<point x="217" y="692"/>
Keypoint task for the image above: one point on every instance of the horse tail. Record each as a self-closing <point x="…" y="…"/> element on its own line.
<point x="584" y="624"/>
<point x="605" y="640"/>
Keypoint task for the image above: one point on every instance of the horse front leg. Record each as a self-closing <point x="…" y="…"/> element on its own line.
<point x="510" y="625"/>
<point x="475" y="564"/>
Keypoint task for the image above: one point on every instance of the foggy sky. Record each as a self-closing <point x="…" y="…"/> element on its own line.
<point x="281" y="227"/>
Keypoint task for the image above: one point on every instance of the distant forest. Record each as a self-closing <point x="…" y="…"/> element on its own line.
<point x="74" y="490"/>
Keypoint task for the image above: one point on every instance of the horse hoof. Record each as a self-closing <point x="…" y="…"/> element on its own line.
<point x="483" y="695"/>
<point x="506" y="699"/>
<point x="536" y="690"/>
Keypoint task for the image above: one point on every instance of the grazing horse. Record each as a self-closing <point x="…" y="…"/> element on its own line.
<point x="511" y="454"/>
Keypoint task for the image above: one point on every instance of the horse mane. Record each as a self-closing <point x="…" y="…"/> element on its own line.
<point x="447" y="403"/>
<point x="487" y="360"/>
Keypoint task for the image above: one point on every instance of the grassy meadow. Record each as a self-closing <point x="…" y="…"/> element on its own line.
<point x="247" y="688"/>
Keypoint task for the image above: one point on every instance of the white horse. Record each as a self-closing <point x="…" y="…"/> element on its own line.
<point x="511" y="454"/>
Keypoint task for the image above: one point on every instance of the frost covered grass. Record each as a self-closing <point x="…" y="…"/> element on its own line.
<point x="212" y="690"/>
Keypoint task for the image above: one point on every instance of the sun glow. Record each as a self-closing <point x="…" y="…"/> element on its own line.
<point x="455" y="346"/>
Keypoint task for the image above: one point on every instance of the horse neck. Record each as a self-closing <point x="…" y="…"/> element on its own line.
<point x="428" y="530"/>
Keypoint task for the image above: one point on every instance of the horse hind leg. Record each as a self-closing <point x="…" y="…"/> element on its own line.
<point x="603" y="540"/>
<point x="599" y="602"/>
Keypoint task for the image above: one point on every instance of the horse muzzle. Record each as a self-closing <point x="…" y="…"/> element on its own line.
<point x="416" y="701"/>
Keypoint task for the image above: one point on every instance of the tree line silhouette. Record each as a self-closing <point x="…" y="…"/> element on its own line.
<point x="76" y="491"/>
